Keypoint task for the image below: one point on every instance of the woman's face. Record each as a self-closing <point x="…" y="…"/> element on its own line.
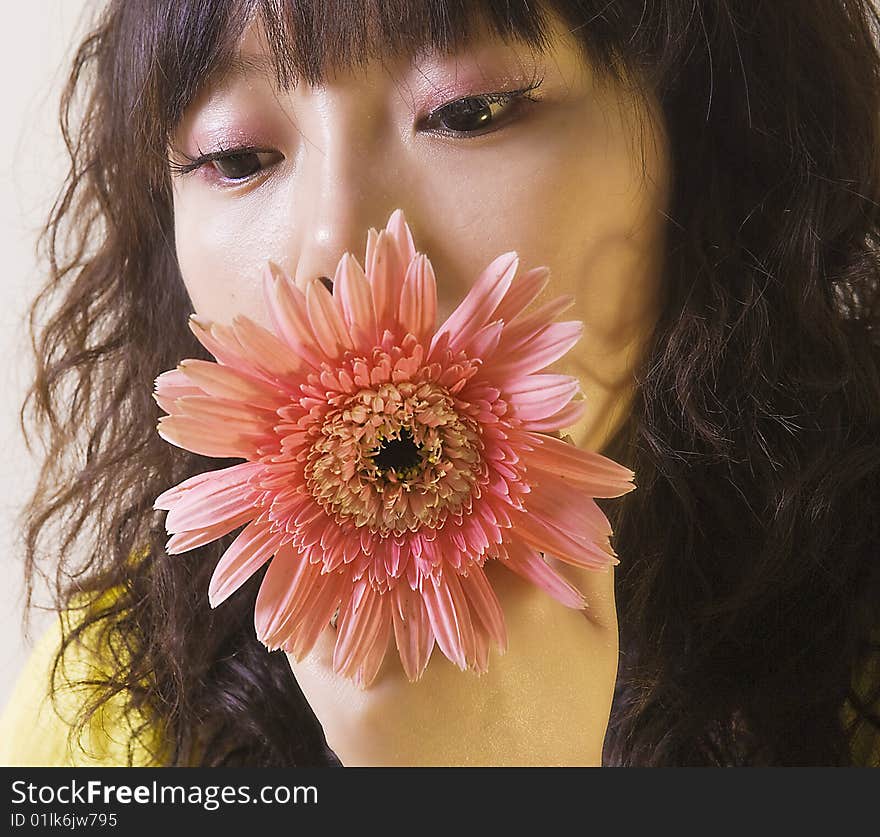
<point x="561" y="181"/>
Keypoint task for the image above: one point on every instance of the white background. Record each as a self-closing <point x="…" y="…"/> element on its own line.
<point x="41" y="39"/>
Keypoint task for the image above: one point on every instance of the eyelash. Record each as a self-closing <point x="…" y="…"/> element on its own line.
<point x="485" y="99"/>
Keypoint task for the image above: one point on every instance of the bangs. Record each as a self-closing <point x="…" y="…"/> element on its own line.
<point x="307" y="40"/>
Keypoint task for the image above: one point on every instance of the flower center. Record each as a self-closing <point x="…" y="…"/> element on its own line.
<point x="399" y="454"/>
<point x="396" y="457"/>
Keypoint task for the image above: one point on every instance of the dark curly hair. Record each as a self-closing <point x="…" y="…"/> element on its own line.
<point x="749" y="586"/>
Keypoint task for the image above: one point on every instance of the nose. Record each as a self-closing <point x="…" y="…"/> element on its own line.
<point x="346" y="183"/>
<point x="336" y="223"/>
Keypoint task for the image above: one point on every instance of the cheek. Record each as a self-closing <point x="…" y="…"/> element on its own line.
<point x="586" y="211"/>
<point x="600" y="214"/>
<point x="220" y="252"/>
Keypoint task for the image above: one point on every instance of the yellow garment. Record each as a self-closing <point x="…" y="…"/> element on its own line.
<point x="33" y="734"/>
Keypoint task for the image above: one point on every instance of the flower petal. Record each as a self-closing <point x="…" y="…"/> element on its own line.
<point x="550" y="344"/>
<point x="412" y="630"/>
<point x="385" y="273"/>
<point x="599" y="475"/>
<point x="273" y="358"/>
<point x="378" y="648"/>
<point x="287" y="579"/>
<point x="235" y="474"/>
<point x="568" y="415"/>
<point x="214" y="501"/>
<point x="484" y="605"/>
<point x="227" y="382"/>
<point x="172" y="385"/>
<point x="523" y="290"/>
<point x="484" y="342"/>
<point x="287" y="310"/>
<point x="247" y="553"/>
<point x="314" y="616"/>
<point x="418" y="300"/>
<point x="474" y="311"/>
<point x="326" y="320"/>
<point x="450" y="618"/>
<point x="527" y="563"/>
<point x="520" y="332"/>
<point x="357" y="627"/>
<point x="190" y="539"/>
<point x="401" y="236"/>
<point x="554" y="499"/>
<point x="352" y="289"/>
<point x="538" y="396"/>
<point x="545" y="537"/>
<point x="189" y="433"/>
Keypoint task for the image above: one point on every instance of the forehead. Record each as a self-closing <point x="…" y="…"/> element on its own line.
<point x="277" y="50"/>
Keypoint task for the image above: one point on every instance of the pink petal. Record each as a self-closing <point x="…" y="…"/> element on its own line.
<point x="418" y="300"/>
<point x="351" y="287"/>
<point x="548" y="345"/>
<point x="523" y="329"/>
<point x="523" y="290"/>
<point x="227" y="382"/>
<point x="378" y="648"/>
<point x="484" y="342"/>
<point x="219" y="342"/>
<point x="186" y="540"/>
<point x="401" y="236"/>
<point x="314" y="616"/>
<point x="190" y="434"/>
<point x="412" y="630"/>
<point x="550" y="537"/>
<point x="555" y="498"/>
<point x="274" y="359"/>
<point x="326" y="319"/>
<point x="233" y="475"/>
<point x="567" y="416"/>
<point x="600" y="476"/>
<point x="213" y="502"/>
<point x="358" y="625"/>
<point x="450" y="618"/>
<point x="525" y="562"/>
<point x="474" y="311"/>
<point x="386" y="280"/>
<point x="289" y="582"/>
<point x="287" y="311"/>
<point x="538" y="396"/>
<point x="247" y="553"/>
<point x="223" y="342"/>
<point x="210" y="410"/>
<point x="170" y="386"/>
<point x="485" y="605"/>
<point x="370" y="251"/>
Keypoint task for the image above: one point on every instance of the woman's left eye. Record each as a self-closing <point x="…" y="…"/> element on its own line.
<point x="475" y="116"/>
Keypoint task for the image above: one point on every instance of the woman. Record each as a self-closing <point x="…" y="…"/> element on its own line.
<point x="703" y="178"/>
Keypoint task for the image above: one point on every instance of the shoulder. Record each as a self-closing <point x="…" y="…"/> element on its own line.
<point x="35" y="730"/>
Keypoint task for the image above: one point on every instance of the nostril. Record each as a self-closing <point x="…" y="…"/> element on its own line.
<point x="327" y="282"/>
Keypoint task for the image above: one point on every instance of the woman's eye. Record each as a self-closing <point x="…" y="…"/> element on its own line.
<point x="240" y="166"/>
<point x="474" y="114"/>
<point x="232" y="166"/>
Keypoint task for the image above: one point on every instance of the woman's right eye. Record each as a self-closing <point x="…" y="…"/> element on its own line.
<point x="238" y="166"/>
<point x="233" y="166"/>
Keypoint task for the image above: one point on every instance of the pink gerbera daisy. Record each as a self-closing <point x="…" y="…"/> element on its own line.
<point x="388" y="459"/>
